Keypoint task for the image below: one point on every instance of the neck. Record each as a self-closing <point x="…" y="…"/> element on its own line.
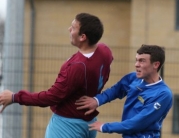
<point x="152" y="79"/>
<point x="87" y="49"/>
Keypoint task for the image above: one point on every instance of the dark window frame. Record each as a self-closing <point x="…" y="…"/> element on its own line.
<point x="175" y="127"/>
<point x="177" y="15"/>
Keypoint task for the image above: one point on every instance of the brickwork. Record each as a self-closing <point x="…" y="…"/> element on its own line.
<point x="128" y="24"/>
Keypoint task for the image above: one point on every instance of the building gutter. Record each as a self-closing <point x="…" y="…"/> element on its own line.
<point x="31" y="64"/>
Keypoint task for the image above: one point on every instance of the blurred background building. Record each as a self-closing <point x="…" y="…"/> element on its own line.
<point x="36" y="43"/>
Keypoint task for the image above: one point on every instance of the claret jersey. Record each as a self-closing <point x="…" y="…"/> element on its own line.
<point x="78" y="76"/>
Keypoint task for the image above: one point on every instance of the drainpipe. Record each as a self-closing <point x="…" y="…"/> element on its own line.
<point x="31" y="66"/>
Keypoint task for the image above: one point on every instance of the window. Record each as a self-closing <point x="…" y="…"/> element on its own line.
<point x="177" y="14"/>
<point x="176" y="115"/>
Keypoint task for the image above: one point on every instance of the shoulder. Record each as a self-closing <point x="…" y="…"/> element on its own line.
<point x="103" y="47"/>
<point x="77" y="65"/>
<point x="104" y="51"/>
<point x="165" y="90"/>
<point x="73" y="67"/>
<point x="131" y="76"/>
<point x="160" y="92"/>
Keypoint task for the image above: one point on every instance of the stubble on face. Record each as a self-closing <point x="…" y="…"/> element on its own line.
<point x="143" y="66"/>
<point x="74" y="32"/>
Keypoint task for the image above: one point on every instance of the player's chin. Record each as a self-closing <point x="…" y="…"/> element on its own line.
<point x="138" y="75"/>
<point x="72" y="43"/>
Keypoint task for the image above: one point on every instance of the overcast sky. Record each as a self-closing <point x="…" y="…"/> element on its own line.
<point x="3" y="8"/>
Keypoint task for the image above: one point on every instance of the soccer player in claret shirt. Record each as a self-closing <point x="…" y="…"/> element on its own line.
<point x="85" y="73"/>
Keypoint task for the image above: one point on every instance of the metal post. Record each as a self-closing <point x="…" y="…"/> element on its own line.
<point x="31" y="66"/>
<point x="13" y="66"/>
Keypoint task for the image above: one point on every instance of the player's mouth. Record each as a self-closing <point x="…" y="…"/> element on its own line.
<point x="138" y="71"/>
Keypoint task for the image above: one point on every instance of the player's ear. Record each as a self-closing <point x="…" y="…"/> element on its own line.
<point x="156" y="64"/>
<point x="83" y="37"/>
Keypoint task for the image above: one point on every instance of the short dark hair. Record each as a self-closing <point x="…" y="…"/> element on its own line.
<point x="91" y="26"/>
<point x="157" y="53"/>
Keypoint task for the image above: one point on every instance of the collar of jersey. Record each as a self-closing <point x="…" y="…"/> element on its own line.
<point x="152" y="83"/>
